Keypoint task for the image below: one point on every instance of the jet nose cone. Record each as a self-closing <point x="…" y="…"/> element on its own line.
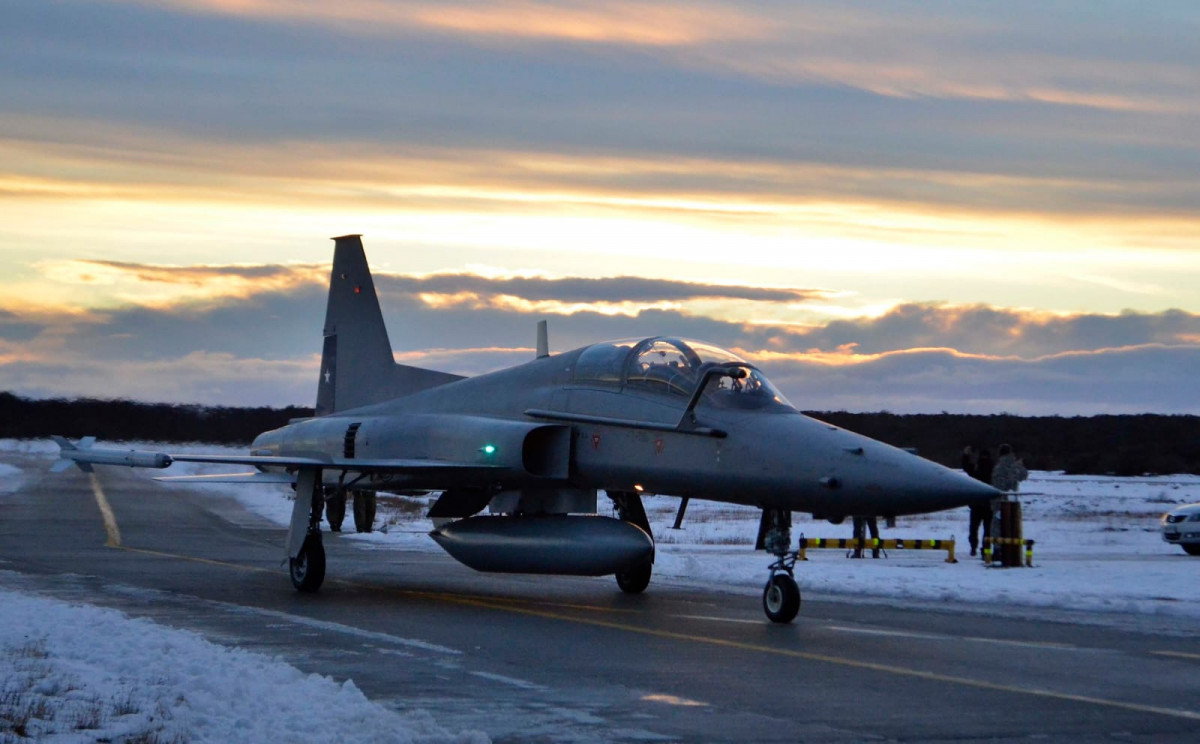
<point x="951" y="488"/>
<point x="972" y="489"/>
<point x="903" y="483"/>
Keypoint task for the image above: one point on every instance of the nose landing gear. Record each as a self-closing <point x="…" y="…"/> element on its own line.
<point x="781" y="596"/>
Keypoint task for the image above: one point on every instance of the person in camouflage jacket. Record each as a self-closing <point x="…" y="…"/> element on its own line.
<point x="1008" y="471"/>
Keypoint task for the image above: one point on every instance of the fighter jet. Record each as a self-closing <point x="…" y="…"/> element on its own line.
<point x="520" y="456"/>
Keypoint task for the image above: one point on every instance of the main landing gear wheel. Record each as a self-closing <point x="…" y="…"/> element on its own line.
<point x="781" y="598"/>
<point x="634" y="580"/>
<point x="308" y="568"/>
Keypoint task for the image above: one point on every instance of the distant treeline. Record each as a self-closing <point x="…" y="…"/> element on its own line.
<point x="1121" y="445"/>
<point x="123" y="420"/>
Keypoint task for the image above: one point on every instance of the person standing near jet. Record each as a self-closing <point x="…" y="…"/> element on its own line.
<point x="981" y="514"/>
<point x="968" y="460"/>
<point x="1007" y="476"/>
<point x="861" y="525"/>
<point x="1009" y="471"/>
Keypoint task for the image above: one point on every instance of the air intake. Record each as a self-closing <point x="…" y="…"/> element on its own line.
<point x="348" y="444"/>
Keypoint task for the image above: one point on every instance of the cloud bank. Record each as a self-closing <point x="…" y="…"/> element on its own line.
<point x="261" y="345"/>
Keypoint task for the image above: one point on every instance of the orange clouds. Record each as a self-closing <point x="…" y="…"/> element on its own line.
<point x="642" y="24"/>
<point x="632" y="23"/>
<point x="163" y="286"/>
<point x="512" y="303"/>
<point x="846" y="355"/>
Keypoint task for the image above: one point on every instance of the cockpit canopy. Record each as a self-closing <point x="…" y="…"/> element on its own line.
<point x="675" y="366"/>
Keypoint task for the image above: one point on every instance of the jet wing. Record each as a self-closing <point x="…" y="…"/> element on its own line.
<point x="393" y="467"/>
<point x="276" y="469"/>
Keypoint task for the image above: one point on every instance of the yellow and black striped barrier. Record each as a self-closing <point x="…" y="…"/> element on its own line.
<point x="823" y="543"/>
<point x="989" y="555"/>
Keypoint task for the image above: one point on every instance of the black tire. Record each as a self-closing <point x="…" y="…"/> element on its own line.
<point x="370" y="511"/>
<point x="635" y="580"/>
<point x="1191" y="549"/>
<point x="364" y="510"/>
<point x="781" y="599"/>
<point x="335" y="510"/>
<point x="308" y="568"/>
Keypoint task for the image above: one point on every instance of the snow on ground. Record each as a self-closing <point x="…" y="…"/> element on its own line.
<point x="10" y="478"/>
<point x="77" y="673"/>
<point x="1097" y="548"/>
<point x="108" y="677"/>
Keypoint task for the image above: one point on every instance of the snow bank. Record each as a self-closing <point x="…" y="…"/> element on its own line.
<point x="10" y="478"/>
<point x="76" y="673"/>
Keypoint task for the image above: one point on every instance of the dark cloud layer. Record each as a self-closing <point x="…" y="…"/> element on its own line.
<point x="1152" y="378"/>
<point x="263" y="348"/>
<point x="999" y="331"/>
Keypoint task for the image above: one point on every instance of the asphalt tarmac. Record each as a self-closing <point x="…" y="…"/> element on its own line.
<point x="564" y="659"/>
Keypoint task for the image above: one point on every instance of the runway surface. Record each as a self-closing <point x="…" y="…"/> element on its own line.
<point x="561" y="659"/>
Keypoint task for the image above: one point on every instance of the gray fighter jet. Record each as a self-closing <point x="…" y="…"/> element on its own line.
<point x="520" y="455"/>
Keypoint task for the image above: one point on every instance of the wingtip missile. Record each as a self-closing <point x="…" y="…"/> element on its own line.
<point x="84" y="455"/>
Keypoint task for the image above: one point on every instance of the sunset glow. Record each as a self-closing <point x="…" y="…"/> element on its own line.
<point x="947" y="213"/>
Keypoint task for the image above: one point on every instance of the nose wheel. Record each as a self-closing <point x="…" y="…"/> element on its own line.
<point x="781" y="598"/>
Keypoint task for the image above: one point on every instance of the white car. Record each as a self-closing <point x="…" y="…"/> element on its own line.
<point x="1181" y="526"/>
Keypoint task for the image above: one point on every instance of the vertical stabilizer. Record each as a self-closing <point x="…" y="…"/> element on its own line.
<point x="357" y="366"/>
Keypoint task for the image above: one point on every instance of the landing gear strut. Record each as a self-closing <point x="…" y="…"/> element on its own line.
<point x="629" y="509"/>
<point x="305" y="551"/>
<point x="781" y="596"/>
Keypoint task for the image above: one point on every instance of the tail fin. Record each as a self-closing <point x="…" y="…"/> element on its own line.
<point x="357" y="366"/>
<point x="64" y="462"/>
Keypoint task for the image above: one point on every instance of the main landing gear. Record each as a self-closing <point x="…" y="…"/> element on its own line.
<point x="781" y="596"/>
<point x="629" y="509"/>
<point x="306" y="563"/>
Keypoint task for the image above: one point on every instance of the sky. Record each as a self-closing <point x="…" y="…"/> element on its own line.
<point x="917" y="207"/>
